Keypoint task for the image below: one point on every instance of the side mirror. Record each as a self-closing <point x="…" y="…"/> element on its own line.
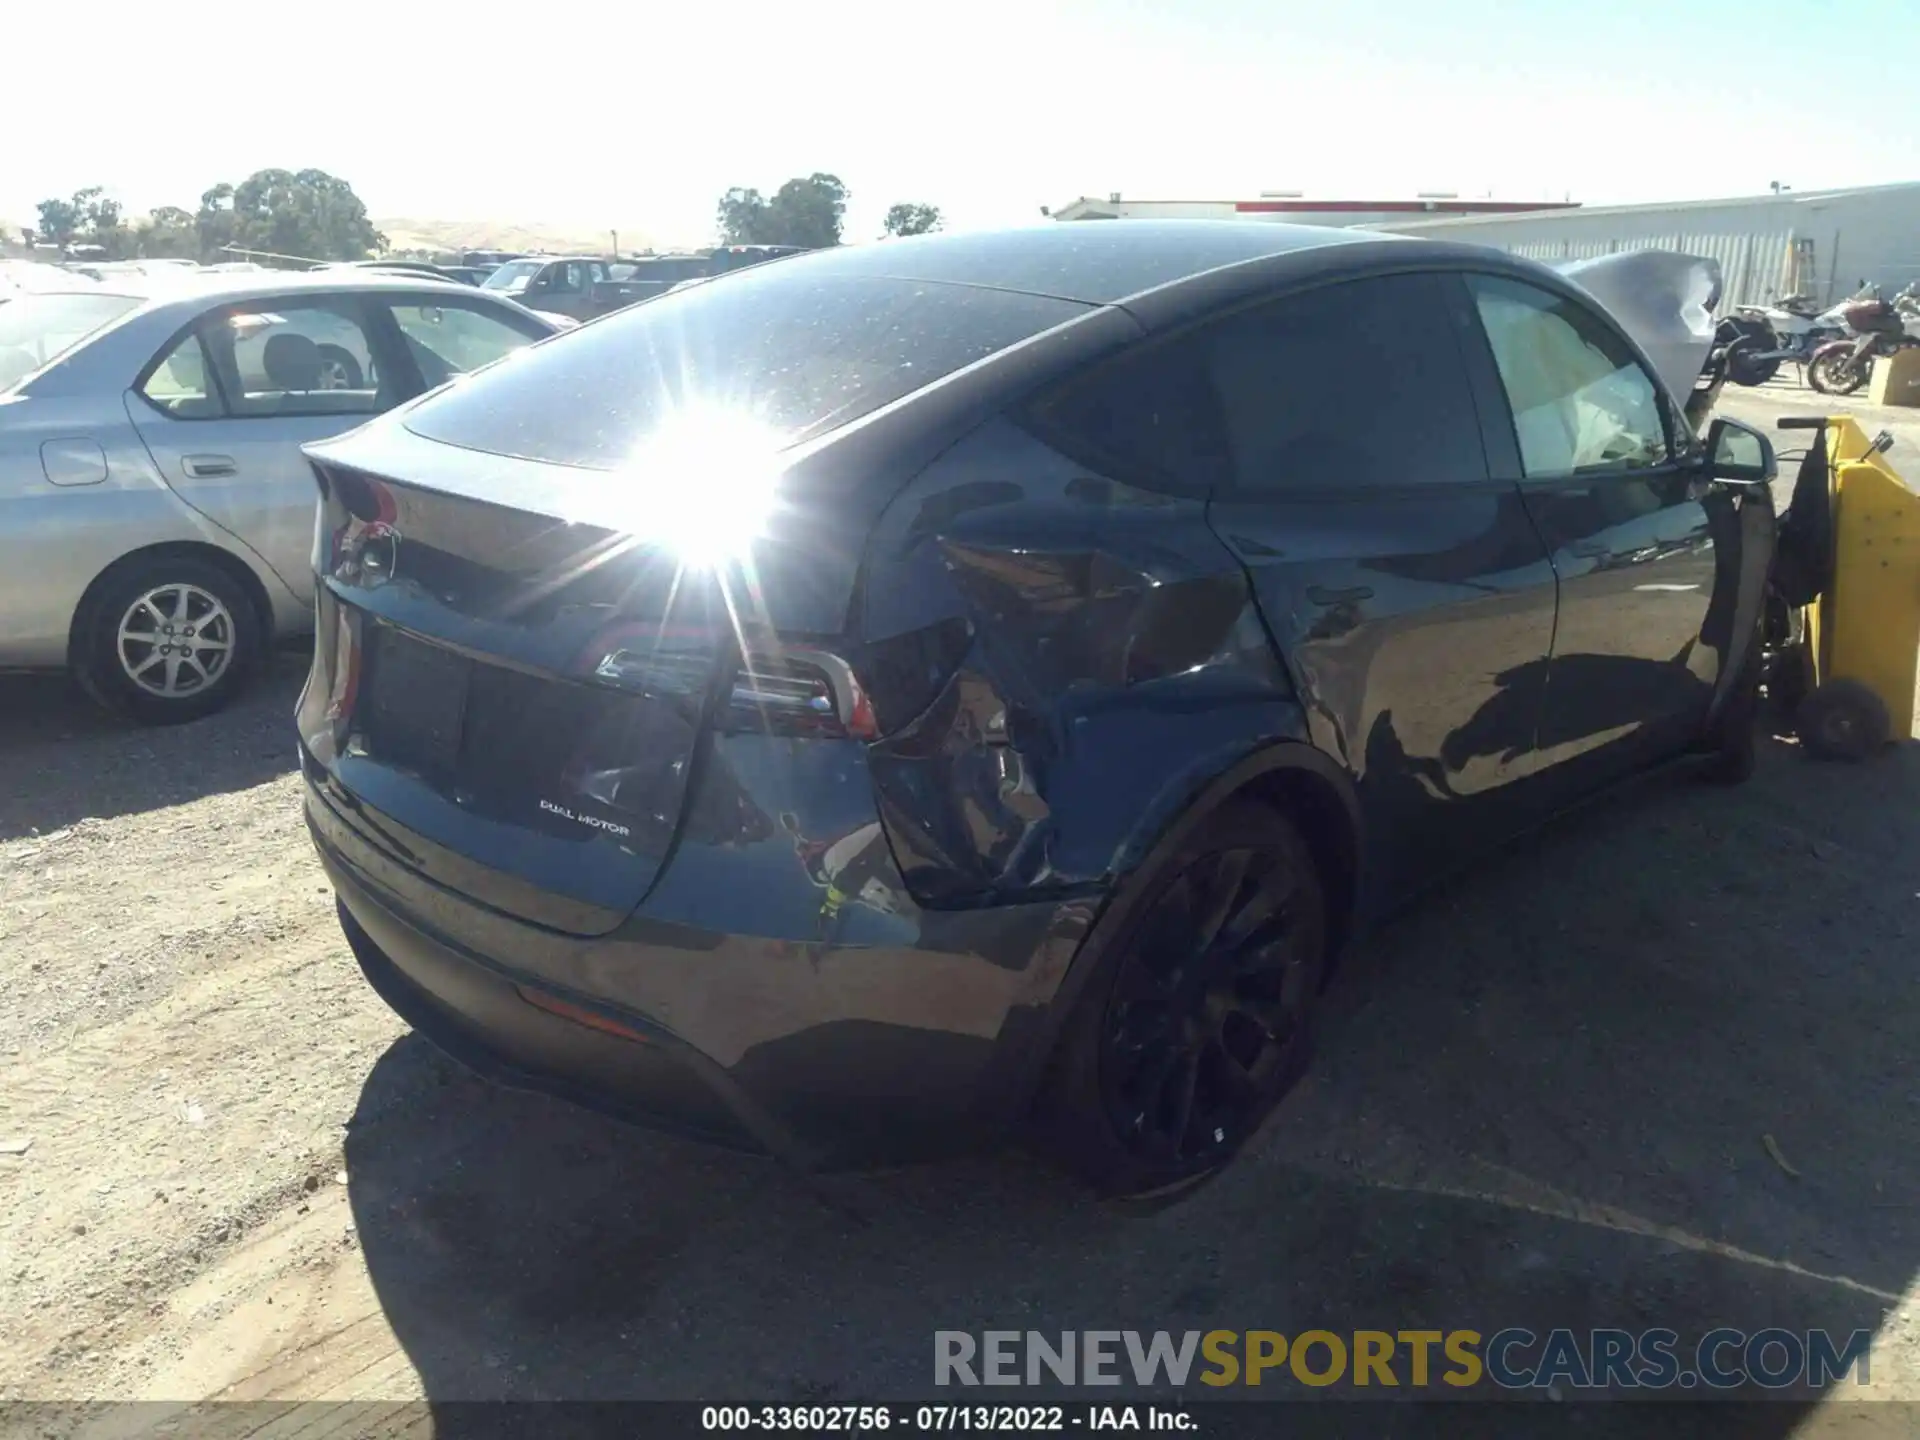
<point x="1739" y="454"/>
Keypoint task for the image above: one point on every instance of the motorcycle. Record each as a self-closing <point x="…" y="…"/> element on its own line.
<point x="1758" y="339"/>
<point x="1877" y="328"/>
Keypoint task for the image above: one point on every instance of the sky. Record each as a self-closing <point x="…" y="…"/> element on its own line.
<point x="640" y="115"/>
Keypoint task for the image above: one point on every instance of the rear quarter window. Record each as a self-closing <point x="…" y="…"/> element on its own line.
<point x="794" y="355"/>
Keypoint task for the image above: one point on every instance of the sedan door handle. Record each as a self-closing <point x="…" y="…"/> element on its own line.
<point x="208" y="467"/>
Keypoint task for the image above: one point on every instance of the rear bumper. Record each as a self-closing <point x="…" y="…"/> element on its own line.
<point x="823" y="1053"/>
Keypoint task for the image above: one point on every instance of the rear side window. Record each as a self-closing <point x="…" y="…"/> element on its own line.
<point x="1357" y="384"/>
<point x="299" y="358"/>
<point x="1581" y="401"/>
<point x="791" y="354"/>
<point x="1150" y="417"/>
<point x="181" y="384"/>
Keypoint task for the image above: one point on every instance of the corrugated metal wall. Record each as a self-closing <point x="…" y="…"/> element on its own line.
<point x="1843" y="237"/>
<point x="1753" y="268"/>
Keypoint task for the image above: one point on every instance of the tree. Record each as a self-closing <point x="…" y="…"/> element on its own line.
<point x="214" y="221"/>
<point x="59" y="222"/>
<point x="807" y="212"/>
<point x="304" y="213"/>
<point x="810" y="212"/>
<point x="911" y="219"/>
<point x="87" y="217"/>
<point x="103" y="227"/>
<point x="743" y="217"/>
<point x="167" y="233"/>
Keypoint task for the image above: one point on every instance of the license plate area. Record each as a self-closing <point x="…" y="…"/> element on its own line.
<point x="413" y="697"/>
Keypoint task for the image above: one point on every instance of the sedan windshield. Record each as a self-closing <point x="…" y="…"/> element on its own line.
<point x="512" y="276"/>
<point x="36" y="330"/>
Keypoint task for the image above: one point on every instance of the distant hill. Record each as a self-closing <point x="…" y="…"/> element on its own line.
<point x="410" y="234"/>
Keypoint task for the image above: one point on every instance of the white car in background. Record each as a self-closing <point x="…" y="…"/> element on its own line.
<point x="156" y="514"/>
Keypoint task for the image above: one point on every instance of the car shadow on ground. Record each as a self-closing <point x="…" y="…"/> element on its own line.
<point x="63" y="758"/>
<point x="1649" y="1069"/>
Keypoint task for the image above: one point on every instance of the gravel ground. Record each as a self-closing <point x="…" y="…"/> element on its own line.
<point x="1653" y="1067"/>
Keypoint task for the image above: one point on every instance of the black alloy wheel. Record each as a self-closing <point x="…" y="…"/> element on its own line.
<point x="1201" y="1018"/>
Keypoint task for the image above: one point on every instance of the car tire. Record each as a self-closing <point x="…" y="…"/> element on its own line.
<point x="1843" y="720"/>
<point x="340" y="366"/>
<point x="1178" y="1047"/>
<point x="131" y="652"/>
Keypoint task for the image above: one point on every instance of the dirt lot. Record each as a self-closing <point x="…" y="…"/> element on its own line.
<point x="1567" y="1090"/>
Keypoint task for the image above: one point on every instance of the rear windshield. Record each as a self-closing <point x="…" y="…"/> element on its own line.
<point x="35" y="330"/>
<point x="792" y="353"/>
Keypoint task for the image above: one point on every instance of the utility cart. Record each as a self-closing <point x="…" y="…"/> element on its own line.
<point x="1846" y="594"/>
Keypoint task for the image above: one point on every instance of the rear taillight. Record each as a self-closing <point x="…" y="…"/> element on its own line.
<point x="791" y="687"/>
<point x="659" y="673"/>
<point x="800" y="691"/>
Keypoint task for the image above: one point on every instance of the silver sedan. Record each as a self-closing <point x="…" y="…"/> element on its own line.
<point x="156" y="514"/>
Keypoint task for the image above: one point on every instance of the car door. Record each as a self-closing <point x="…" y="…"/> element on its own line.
<point x="1401" y="582"/>
<point x="561" y="288"/>
<point x="225" y="408"/>
<point x="1642" y="546"/>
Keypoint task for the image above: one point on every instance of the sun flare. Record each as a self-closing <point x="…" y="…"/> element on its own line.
<point x="704" y="484"/>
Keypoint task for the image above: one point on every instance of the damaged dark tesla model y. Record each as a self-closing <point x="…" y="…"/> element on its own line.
<point x="913" y="693"/>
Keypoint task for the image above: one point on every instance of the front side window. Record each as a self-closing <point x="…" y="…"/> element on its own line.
<point x="1581" y="402"/>
<point x="449" y="339"/>
<point x="309" y="358"/>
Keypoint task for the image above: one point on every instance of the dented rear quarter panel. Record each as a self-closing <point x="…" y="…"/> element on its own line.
<point x="1119" y="664"/>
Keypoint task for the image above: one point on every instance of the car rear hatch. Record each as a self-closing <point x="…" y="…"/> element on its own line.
<point x="534" y="599"/>
<point x="509" y="697"/>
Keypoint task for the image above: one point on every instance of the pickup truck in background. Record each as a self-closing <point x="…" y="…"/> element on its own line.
<point x="569" y="285"/>
<point x="583" y="287"/>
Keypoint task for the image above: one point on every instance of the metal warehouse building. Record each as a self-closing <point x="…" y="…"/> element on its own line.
<point x="1820" y="242"/>
<point x="1292" y="207"/>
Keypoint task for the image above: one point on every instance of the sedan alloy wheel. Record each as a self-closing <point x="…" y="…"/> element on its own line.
<point x="176" y="640"/>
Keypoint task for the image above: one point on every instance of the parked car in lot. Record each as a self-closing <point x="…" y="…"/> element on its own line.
<point x="576" y="286"/>
<point x="156" y="514"/>
<point x="909" y="692"/>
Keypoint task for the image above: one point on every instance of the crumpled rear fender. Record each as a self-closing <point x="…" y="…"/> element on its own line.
<point x="1118" y="668"/>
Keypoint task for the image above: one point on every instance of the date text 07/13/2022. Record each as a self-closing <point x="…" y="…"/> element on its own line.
<point x="947" y="1419"/>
